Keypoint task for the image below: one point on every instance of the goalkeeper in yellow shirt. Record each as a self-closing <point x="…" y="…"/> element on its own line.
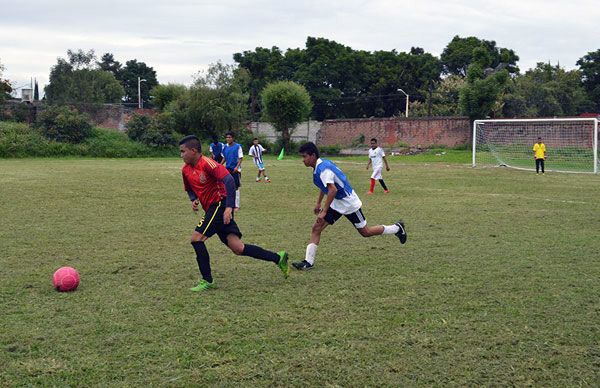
<point x="539" y="154"/>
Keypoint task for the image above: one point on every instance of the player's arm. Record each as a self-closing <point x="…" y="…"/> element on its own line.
<point x="191" y="194"/>
<point x="240" y="157"/>
<point x="317" y="208"/>
<point x="331" y="193"/>
<point x="387" y="166"/>
<point x="369" y="163"/>
<point x="221" y="173"/>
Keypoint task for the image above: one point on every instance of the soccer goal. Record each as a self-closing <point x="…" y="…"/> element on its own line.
<point x="571" y="144"/>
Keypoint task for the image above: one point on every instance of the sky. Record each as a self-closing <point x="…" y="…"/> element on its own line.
<point x="180" y="38"/>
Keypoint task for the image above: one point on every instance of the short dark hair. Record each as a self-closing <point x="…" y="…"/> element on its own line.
<point x="309" y="148"/>
<point x="191" y="142"/>
<point x="230" y="134"/>
<point x="373" y="139"/>
<point x="256" y="138"/>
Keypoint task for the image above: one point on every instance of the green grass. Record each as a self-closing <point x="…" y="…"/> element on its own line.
<point x="497" y="285"/>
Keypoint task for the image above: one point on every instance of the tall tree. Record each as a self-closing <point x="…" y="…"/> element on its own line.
<point x="36" y="92"/>
<point x="108" y="63"/>
<point x="589" y="65"/>
<point x="79" y="81"/>
<point x="215" y="103"/>
<point x="461" y="52"/>
<point x="285" y="104"/>
<point x="129" y="79"/>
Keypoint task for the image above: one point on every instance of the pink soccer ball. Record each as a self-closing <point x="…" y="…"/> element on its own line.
<point x="65" y="279"/>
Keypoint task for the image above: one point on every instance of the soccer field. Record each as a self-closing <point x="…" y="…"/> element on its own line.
<point x="498" y="283"/>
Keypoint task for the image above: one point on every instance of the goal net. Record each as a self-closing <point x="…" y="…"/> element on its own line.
<point x="571" y="144"/>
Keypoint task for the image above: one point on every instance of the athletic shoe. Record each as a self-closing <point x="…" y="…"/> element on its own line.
<point x="203" y="285"/>
<point x="267" y="180"/>
<point x="369" y="192"/>
<point x="303" y="265"/>
<point x="258" y="180"/>
<point x="283" y="263"/>
<point x="386" y="191"/>
<point x="401" y="234"/>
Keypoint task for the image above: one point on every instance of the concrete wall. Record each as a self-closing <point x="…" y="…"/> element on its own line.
<point x="306" y="131"/>
<point x="416" y="132"/>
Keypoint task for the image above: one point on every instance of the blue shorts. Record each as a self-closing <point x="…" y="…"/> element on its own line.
<point x="260" y="165"/>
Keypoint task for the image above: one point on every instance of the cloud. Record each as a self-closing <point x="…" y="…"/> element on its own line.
<point x="178" y="38"/>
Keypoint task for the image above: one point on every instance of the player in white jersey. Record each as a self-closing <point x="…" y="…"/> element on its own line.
<point x="256" y="151"/>
<point x="340" y="200"/>
<point x="376" y="159"/>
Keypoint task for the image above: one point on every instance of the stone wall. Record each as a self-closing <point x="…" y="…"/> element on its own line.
<point x="416" y="132"/>
<point x="306" y="131"/>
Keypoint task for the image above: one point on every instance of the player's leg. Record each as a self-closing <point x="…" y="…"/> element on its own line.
<point x="542" y="165"/>
<point x="537" y="166"/>
<point x="382" y="183"/>
<point x="360" y="223"/>
<point x="231" y="236"/>
<point x="315" y="238"/>
<point x="205" y="228"/>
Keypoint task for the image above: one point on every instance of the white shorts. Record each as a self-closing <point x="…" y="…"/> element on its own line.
<point x="376" y="174"/>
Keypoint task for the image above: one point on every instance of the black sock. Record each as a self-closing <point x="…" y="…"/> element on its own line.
<point x="203" y="260"/>
<point x="260" y="253"/>
<point x="383" y="184"/>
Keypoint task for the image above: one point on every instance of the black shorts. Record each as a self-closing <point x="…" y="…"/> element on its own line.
<point x="212" y="223"/>
<point x="357" y="218"/>
<point x="217" y="158"/>
<point x="237" y="178"/>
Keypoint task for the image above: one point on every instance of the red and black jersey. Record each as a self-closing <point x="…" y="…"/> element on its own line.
<point x="206" y="180"/>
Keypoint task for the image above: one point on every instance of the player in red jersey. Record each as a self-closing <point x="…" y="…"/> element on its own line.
<point x="210" y="185"/>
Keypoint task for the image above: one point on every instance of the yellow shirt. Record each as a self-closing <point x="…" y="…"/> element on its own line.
<point x="540" y="150"/>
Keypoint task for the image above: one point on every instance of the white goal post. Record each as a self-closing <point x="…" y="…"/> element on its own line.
<point x="571" y="143"/>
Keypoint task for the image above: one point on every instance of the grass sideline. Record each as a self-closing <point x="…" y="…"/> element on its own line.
<point x="497" y="285"/>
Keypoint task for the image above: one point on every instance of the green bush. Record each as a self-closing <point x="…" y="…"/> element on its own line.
<point x="64" y="124"/>
<point x="330" y="150"/>
<point x="156" y="131"/>
<point x="20" y="140"/>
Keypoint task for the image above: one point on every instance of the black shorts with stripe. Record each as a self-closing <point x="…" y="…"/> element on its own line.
<point x="357" y="218"/>
<point x="212" y="223"/>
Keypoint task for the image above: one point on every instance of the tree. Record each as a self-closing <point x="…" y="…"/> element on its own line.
<point x="78" y="81"/>
<point x="108" y="63"/>
<point x="263" y="66"/>
<point x="461" y="52"/>
<point x="589" y="66"/>
<point x="163" y="95"/>
<point x="5" y="88"/>
<point x="129" y="79"/>
<point x="480" y="96"/>
<point x="216" y="103"/>
<point x="546" y="91"/>
<point x="36" y="92"/>
<point x="285" y="104"/>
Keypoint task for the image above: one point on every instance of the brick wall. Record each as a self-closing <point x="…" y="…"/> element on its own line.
<point x="424" y="132"/>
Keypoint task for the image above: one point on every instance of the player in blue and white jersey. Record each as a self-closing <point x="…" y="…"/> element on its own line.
<point x="233" y="163"/>
<point x="256" y="151"/>
<point x="216" y="150"/>
<point x="340" y="200"/>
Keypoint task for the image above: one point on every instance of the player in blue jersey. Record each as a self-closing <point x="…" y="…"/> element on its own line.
<point x="340" y="200"/>
<point x="233" y="163"/>
<point x="256" y="151"/>
<point x="216" y="150"/>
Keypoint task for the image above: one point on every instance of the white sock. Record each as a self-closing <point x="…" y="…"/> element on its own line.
<point x="311" y="252"/>
<point x="390" y="229"/>
<point x="237" y="198"/>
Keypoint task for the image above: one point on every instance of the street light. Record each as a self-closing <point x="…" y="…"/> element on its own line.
<point x="140" y="103"/>
<point x="406" y="109"/>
